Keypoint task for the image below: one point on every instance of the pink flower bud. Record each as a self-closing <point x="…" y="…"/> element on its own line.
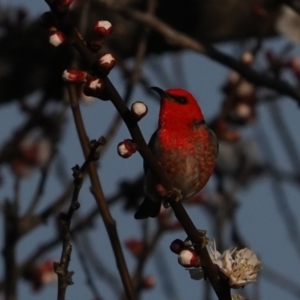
<point x="33" y="153"/>
<point x="188" y="258"/>
<point x="247" y="59"/>
<point x="126" y="148"/>
<point x="94" y="87"/>
<point x="106" y="63"/>
<point x="139" y="110"/>
<point x="40" y="275"/>
<point x="56" y="38"/>
<point x="176" y="246"/>
<point x="243" y="110"/>
<point x="102" y="29"/>
<point x="148" y="282"/>
<point x="135" y="246"/>
<point x="74" y="75"/>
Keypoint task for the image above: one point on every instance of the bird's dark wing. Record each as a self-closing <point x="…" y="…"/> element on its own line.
<point x="153" y="147"/>
<point x="148" y="209"/>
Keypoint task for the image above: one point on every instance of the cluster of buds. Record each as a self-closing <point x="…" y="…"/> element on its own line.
<point x="41" y="275"/>
<point x="91" y="86"/>
<point x="33" y="153"/>
<point x="128" y="147"/>
<point x="244" y="97"/>
<point x="237" y="267"/>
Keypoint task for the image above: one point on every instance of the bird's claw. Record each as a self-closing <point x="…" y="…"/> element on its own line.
<point x="176" y="193"/>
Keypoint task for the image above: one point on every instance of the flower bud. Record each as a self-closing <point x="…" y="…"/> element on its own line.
<point x="176" y="246"/>
<point x="56" y="38"/>
<point x="247" y="59"/>
<point x="148" y="282"/>
<point x="94" y="87"/>
<point x="188" y="258"/>
<point x="102" y="29"/>
<point x="139" y="110"/>
<point x="126" y="148"/>
<point x="74" y="75"/>
<point x="105" y="64"/>
<point x="135" y="246"/>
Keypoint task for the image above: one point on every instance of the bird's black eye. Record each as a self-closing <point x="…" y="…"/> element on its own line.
<point x="180" y="99"/>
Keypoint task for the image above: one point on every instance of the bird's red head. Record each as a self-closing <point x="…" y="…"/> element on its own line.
<point x="178" y="107"/>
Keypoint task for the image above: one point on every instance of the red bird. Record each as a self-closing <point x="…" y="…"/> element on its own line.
<point x="184" y="146"/>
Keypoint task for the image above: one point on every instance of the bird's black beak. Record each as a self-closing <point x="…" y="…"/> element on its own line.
<point x="160" y="92"/>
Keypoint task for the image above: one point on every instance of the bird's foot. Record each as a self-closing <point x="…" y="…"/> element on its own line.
<point x="176" y="193"/>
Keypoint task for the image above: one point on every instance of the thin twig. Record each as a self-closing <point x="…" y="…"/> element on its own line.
<point x="9" y="250"/>
<point x="96" y="190"/>
<point x="61" y="268"/>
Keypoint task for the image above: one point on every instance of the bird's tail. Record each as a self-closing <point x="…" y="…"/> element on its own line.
<point x="147" y="209"/>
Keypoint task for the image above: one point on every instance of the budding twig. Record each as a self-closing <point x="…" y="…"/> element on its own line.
<point x="61" y="268"/>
